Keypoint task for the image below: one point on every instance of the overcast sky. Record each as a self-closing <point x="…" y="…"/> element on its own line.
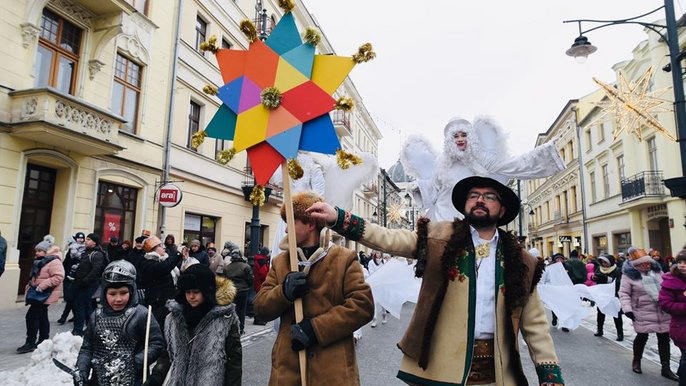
<point x="505" y="59"/>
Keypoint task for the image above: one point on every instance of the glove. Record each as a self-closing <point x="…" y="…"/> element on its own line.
<point x="38" y="289"/>
<point x="78" y="379"/>
<point x="630" y="315"/>
<point x="295" y="285"/>
<point x="302" y="335"/>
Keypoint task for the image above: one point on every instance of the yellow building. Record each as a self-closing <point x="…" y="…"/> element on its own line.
<point x="98" y="101"/>
<point x="83" y="96"/>
<point x="627" y="202"/>
<point x="557" y="222"/>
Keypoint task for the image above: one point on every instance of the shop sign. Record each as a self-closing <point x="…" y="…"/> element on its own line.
<point x="565" y="239"/>
<point x="191" y="222"/>
<point x="170" y="195"/>
<point x="656" y="211"/>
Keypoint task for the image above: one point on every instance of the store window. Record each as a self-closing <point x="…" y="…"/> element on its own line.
<point x="622" y="242"/>
<point x="126" y="91"/>
<point x="599" y="245"/>
<point x="199" y="227"/>
<point x="115" y="211"/>
<point x="58" y="53"/>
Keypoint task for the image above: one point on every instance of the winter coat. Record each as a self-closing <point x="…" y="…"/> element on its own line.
<point x="156" y="277"/>
<point x="590" y="271"/>
<point x="50" y="276"/>
<point x="135" y="256"/>
<point x="261" y="271"/>
<point x="211" y="354"/>
<point x="634" y="298"/>
<point x="577" y="270"/>
<point x="613" y="277"/>
<point x="673" y="301"/>
<point x="91" y="265"/>
<point x="201" y="256"/>
<point x="240" y="273"/>
<point x="134" y="327"/>
<point x="338" y="302"/>
<point x="438" y="344"/>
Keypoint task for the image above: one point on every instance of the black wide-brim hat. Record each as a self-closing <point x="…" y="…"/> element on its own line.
<point x="508" y="198"/>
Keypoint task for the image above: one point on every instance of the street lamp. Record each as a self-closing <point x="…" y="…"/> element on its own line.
<point x="408" y="198"/>
<point x="582" y="48"/>
<point x="255" y="227"/>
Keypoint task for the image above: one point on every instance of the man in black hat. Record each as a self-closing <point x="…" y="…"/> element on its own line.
<point x="478" y="292"/>
<point x="86" y="281"/>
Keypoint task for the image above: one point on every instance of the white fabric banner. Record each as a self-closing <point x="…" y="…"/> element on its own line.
<point x="393" y="284"/>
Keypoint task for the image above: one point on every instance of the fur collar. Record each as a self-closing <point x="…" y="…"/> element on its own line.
<point x="634" y="274"/>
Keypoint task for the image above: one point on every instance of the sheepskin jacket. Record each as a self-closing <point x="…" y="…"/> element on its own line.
<point x="439" y="340"/>
<point x="211" y="354"/>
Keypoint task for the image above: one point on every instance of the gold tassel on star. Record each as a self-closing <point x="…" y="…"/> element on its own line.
<point x="345" y="104"/>
<point x="312" y="36"/>
<point x="294" y="169"/>
<point x="198" y="138"/>
<point x="210" y="45"/>
<point x="345" y="159"/>
<point x="364" y="54"/>
<point x="271" y="97"/>
<point x="286" y="5"/>
<point x="248" y="28"/>
<point x="210" y="89"/>
<point x="225" y="156"/>
<point x="257" y="197"/>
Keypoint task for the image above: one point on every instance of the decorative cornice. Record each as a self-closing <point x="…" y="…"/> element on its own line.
<point x="75" y="11"/>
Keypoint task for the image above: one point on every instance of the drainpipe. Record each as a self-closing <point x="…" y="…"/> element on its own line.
<point x="581" y="178"/>
<point x="161" y="214"/>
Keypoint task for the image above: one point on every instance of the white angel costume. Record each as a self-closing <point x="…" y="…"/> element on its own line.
<point x="322" y="175"/>
<point x="485" y="155"/>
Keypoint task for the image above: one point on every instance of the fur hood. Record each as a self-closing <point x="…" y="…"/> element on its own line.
<point x="226" y="291"/>
<point x="634" y="274"/>
<point x="155" y="256"/>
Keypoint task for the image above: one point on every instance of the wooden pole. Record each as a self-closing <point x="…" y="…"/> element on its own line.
<point x="292" y="253"/>
<point x="145" y="348"/>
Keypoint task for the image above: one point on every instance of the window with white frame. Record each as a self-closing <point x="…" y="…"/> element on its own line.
<point x="193" y="122"/>
<point x="652" y="154"/>
<point x="591" y="177"/>
<point x="200" y="31"/>
<point x="621" y="168"/>
<point x="606" y="181"/>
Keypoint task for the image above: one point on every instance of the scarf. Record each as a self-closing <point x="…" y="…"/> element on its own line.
<point x="651" y="285"/>
<point x="38" y="264"/>
<point x="607" y="270"/>
<point x="193" y="315"/>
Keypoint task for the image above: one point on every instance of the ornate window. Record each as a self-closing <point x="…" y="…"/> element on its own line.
<point x="58" y="53"/>
<point x="126" y="91"/>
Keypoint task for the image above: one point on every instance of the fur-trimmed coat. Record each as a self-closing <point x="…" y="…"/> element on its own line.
<point x="634" y="298"/>
<point x="338" y="302"/>
<point x="672" y="300"/>
<point x="211" y="354"/>
<point x="438" y="343"/>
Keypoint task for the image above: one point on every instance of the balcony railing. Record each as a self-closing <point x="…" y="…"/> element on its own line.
<point x="47" y="116"/>
<point x="643" y="184"/>
<point x="341" y="121"/>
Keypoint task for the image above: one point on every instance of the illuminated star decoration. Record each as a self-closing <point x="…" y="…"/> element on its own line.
<point x="395" y="213"/>
<point x="285" y="70"/>
<point x="633" y="107"/>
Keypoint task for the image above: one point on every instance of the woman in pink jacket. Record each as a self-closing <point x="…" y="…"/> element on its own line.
<point x="639" y="294"/>
<point x="44" y="288"/>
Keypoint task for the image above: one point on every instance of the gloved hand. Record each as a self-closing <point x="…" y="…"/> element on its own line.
<point x="302" y="335"/>
<point x="630" y="315"/>
<point x="78" y="379"/>
<point x="295" y="285"/>
<point x="38" y="289"/>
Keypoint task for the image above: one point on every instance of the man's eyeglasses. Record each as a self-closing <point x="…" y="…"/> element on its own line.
<point x="488" y="197"/>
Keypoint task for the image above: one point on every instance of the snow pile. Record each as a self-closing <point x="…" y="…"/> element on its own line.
<point x="63" y="346"/>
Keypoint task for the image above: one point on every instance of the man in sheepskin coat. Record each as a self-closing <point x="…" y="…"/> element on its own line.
<point x="478" y="292"/>
<point x="336" y="302"/>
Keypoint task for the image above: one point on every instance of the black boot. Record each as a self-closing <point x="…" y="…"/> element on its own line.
<point x="639" y="346"/>
<point x="620" y="328"/>
<point x="599" y="332"/>
<point x="663" y="350"/>
<point x="600" y="321"/>
<point x="29" y="346"/>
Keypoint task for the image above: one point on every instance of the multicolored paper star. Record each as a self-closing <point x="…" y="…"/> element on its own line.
<point x="305" y="81"/>
<point x="633" y="106"/>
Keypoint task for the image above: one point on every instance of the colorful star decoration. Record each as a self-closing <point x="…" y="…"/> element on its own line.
<point x="633" y="106"/>
<point x="298" y="85"/>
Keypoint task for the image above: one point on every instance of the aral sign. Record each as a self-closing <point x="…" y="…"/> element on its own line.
<point x="169" y="195"/>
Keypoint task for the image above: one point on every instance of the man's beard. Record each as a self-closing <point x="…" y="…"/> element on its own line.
<point x="480" y="222"/>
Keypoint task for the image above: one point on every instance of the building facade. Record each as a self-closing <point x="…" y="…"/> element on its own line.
<point x="557" y="222"/>
<point x="98" y="102"/>
<point x="627" y="201"/>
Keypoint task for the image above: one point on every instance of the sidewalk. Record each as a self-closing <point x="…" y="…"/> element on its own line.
<point x="13" y="333"/>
